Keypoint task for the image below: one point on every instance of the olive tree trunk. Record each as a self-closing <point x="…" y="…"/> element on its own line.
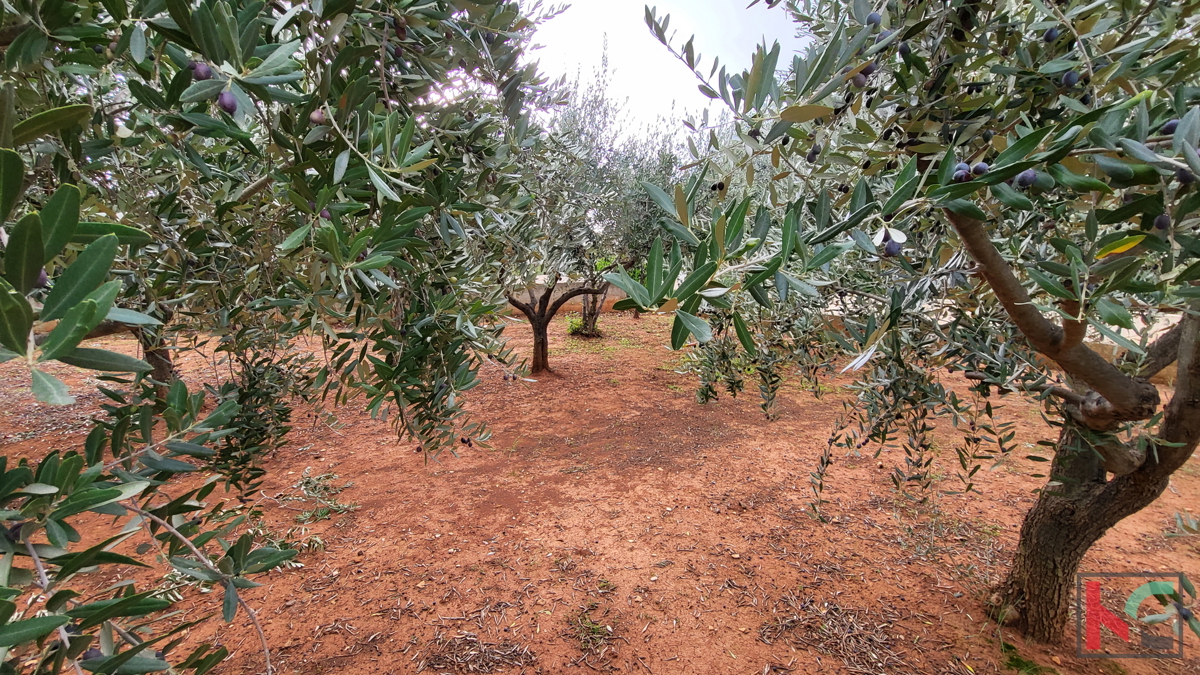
<point x="1069" y="516"/>
<point x="593" y="304"/>
<point x="157" y="354"/>
<point x="1095" y="481"/>
<point x="540" y="311"/>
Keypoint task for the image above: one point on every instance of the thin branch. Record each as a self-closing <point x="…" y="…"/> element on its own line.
<point x="1138" y="21"/>
<point x="919" y="316"/>
<point x="44" y="582"/>
<point x="261" y="184"/>
<point x="1053" y="389"/>
<point x="1087" y="60"/>
<point x="203" y="560"/>
<point x="1150" y="143"/>
<point x="863" y="294"/>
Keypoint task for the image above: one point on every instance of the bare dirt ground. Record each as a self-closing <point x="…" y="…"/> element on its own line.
<point x="616" y="525"/>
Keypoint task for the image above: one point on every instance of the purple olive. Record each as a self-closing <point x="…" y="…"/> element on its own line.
<point x="1070" y="78"/>
<point x="1169" y="127"/>
<point x="883" y="36"/>
<point x="904" y="49"/>
<point x="962" y="166"/>
<point x="317" y="116"/>
<point x="1185" y="177"/>
<point x="326" y="214"/>
<point x="891" y="249"/>
<point x="859" y="80"/>
<point x="202" y="72"/>
<point x="873" y="19"/>
<point x="962" y="176"/>
<point x="980" y="168"/>
<point x="43" y="280"/>
<point x="1026" y="178"/>
<point x="227" y="102"/>
<point x="92" y="653"/>
<point x="99" y="49"/>
<point x="191" y="65"/>
<point x="1050" y="35"/>
<point x="112" y="46"/>
<point x="1162" y="221"/>
<point x="870" y="68"/>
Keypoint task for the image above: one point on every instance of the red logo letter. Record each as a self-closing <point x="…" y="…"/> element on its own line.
<point x="1098" y="615"/>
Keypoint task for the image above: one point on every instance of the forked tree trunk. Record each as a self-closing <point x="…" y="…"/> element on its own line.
<point x="540" y="311"/>
<point x="592" y="306"/>
<point x="1080" y="504"/>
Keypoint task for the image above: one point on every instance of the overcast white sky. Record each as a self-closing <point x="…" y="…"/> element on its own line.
<point x="645" y="72"/>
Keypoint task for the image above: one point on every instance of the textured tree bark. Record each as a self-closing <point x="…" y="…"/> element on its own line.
<point x="541" y="347"/>
<point x="1055" y="535"/>
<point x="1058" y="531"/>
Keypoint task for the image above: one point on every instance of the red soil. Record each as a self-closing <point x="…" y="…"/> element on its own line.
<point x="683" y="531"/>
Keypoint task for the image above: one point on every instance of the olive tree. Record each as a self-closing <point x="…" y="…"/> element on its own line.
<point x="1006" y="191"/>
<point x="255" y="172"/>
<point x="569" y="179"/>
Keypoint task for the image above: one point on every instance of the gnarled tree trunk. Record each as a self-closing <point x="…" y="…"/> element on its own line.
<point x="540" y="312"/>
<point x="1081" y="502"/>
<point x="1063" y="525"/>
